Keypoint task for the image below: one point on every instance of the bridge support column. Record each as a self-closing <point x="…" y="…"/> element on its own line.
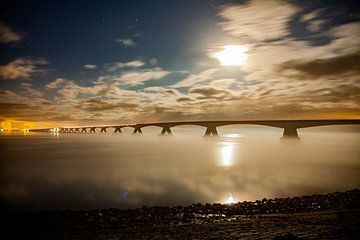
<point x="71" y="130"/>
<point x="137" y="131"/>
<point x="65" y="130"/>
<point x="117" y="130"/>
<point x="92" y="129"/>
<point x="77" y="130"/>
<point x="166" y="130"/>
<point x="83" y="130"/>
<point x="103" y="130"/>
<point x="211" y="131"/>
<point x="290" y="133"/>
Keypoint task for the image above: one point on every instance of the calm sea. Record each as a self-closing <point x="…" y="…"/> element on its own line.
<point x="77" y="171"/>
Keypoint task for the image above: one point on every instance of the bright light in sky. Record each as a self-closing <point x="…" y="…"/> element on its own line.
<point x="232" y="55"/>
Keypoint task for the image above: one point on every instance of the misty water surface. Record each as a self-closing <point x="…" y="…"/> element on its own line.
<point x="77" y="171"/>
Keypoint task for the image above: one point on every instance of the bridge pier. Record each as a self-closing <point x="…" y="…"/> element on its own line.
<point x="211" y="131"/>
<point x="117" y="130"/>
<point x="290" y="133"/>
<point x="92" y="129"/>
<point x="166" y="130"/>
<point x="77" y="130"/>
<point x="103" y="130"/>
<point x="83" y="130"/>
<point x="137" y="131"/>
<point x="71" y="130"/>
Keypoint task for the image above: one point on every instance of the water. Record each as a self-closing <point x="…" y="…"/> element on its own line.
<point x="78" y="171"/>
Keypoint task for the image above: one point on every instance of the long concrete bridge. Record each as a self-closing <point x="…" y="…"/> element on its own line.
<point x="289" y="126"/>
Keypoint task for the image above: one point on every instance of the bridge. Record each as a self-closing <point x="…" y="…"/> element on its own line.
<point x="289" y="126"/>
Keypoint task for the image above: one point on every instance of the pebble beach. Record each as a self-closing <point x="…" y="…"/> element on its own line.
<point x="329" y="216"/>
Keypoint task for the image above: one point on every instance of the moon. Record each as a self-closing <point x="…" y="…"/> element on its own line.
<point x="232" y="55"/>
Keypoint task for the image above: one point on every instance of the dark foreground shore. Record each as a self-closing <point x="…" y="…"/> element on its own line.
<point x="330" y="216"/>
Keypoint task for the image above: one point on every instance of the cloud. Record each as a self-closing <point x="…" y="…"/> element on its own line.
<point x="313" y="20"/>
<point x="310" y="69"/>
<point x="21" y="68"/>
<point x="194" y="79"/>
<point x="119" y="65"/>
<point x="7" y="96"/>
<point x="69" y="91"/>
<point x="223" y="83"/>
<point x="165" y="91"/>
<point x="56" y="84"/>
<point x="208" y="92"/>
<point x="184" y="99"/>
<point x="7" y="35"/>
<point x="153" y="61"/>
<point x="139" y="77"/>
<point x="257" y="20"/>
<point x="126" y="42"/>
<point x="96" y="104"/>
<point x="27" y="105"/>
<point x="30" y="91"/>
<point x="89" y="66"/>
<point x="346" y="38"/>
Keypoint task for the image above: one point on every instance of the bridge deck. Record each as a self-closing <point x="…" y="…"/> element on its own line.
<point x="272" y="123"/>
<point x="290" y="126"/>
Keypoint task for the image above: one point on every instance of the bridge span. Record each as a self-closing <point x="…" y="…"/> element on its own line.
<point x="289" y="126"/>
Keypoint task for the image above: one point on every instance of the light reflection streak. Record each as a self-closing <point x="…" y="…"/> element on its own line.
<point x="227" y="154"/>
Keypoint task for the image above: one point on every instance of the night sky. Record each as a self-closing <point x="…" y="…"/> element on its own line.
<point x="105" y="62"/>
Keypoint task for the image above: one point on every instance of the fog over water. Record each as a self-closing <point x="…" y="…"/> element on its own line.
<point x="78" y="171"/>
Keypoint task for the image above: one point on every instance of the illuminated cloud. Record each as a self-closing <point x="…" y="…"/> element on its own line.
<point x="8" y="36"/>
<point x="70" y="91"/>
<point x="119" y="65"/>
<point x="139" y="77"/>
<point x="126" y="42"/>
<point x="89" y="66"/>
<point x="257" y="20"/>
<point x="223" y="83"/>
<point x="194" y="79"/>
<point x="56" y="83"/>
<point x="21" y="68"/>
<point x="313" y="21"/>
<point x="165" y="91"/>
